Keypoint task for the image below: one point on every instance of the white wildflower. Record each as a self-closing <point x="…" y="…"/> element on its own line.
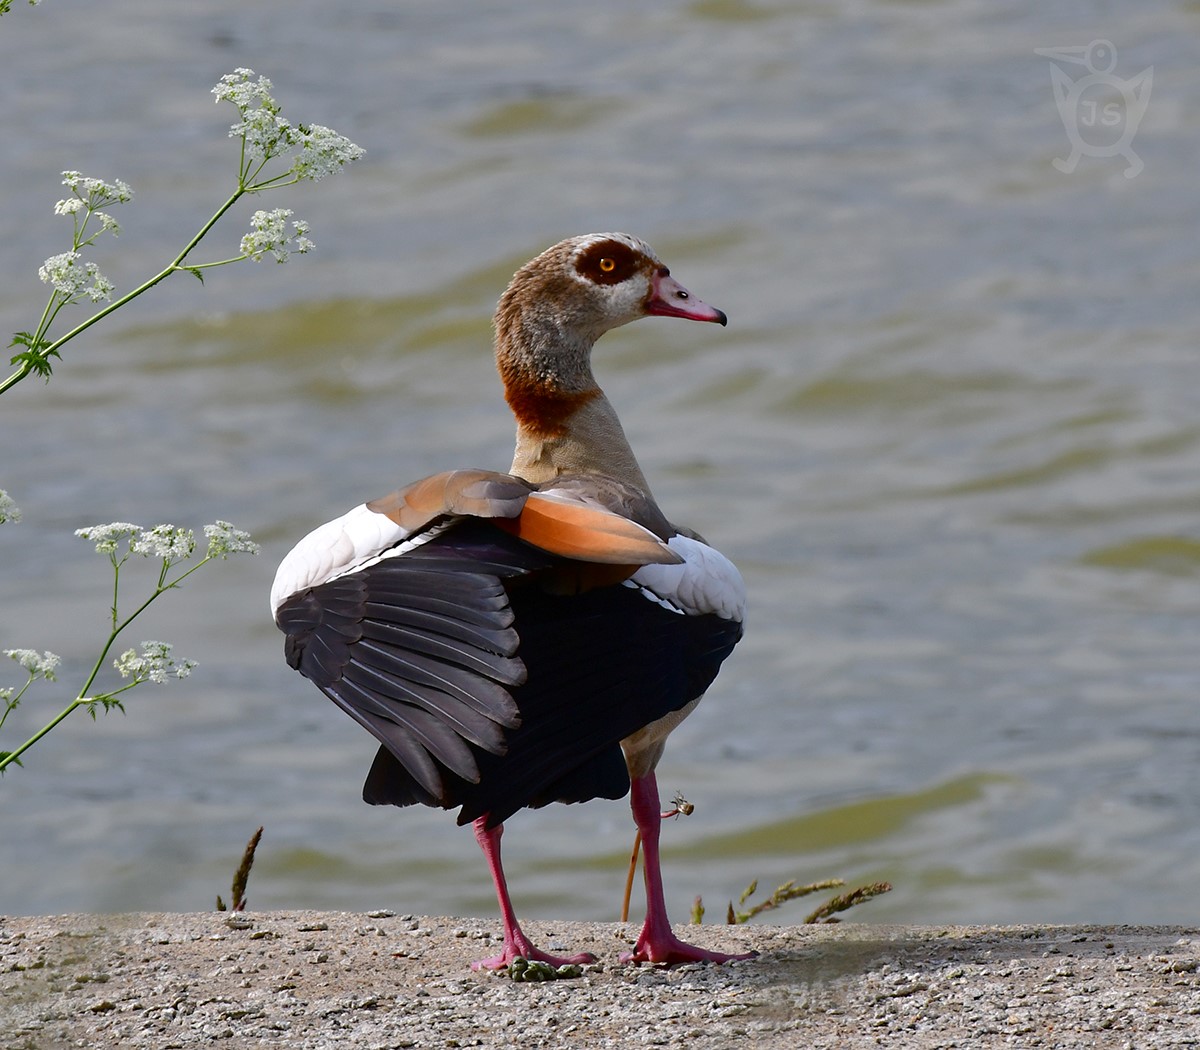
<point x="108" y="224"/>
<point x="69" y="206"/>
<point x="265" y="132"/>
<point x="238" y="87"/>
<point x="39" y="665"/>
<point x="93" y="191"/>
<point x="165" y="541"/>
<point x="60" y="271"/>
<point x="106" y="537"/>
<point x="71" y="278"/>
<point x="9" y="511"/>
<point x="303" y="244"/>
<point x="101" y="287"/>
<point x="153" y="664"/>
<point x="322" y="152"/>
<point x="224" y="540"/>
<point x="269" y="233"/>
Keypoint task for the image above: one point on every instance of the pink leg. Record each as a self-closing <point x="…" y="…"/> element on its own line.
<point x="515" y="941"/>
<point x="658" y="943"/>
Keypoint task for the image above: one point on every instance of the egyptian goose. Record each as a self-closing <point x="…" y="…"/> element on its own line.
<point x="519" y="639"/>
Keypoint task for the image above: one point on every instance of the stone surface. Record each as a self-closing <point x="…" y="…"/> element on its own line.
<point x="379" y="981"/>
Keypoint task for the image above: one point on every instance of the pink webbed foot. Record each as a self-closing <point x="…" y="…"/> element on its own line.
<point x="520" y="946"/>
<point x="667" y="949"/>
<point x="516" y="944"/>
<point x="657" y="942"/>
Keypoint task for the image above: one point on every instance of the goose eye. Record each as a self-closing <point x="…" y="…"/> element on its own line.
<point x="609" y="262"/>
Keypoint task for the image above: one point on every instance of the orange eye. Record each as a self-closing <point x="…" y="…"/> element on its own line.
<point x="607" y="265"/>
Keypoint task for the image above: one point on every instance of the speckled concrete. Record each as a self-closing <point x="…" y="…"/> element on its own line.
<point x="382" y="981"/>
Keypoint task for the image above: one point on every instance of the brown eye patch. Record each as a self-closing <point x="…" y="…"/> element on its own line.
<point x="609" y="262"/>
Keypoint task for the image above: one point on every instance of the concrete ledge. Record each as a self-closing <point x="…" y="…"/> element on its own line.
<point x="378" y="980"/>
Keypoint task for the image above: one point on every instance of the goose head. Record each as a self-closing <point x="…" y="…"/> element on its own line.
<point x="555" y="308"/>
<point x="559" y="303"/>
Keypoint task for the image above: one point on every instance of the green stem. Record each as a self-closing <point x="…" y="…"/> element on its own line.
<point x="184" y="575"/>
<point x="116" y="587"/>
<point x="12" y="756"/>
<point x="218" y="262"/>
<point x="12" y="702"/>
<point x="47" y="319"/>
<point x="83" y="698"/>
<point x="175" y="264"/>
<point x="83" y="693"/>
<point x="278" y="182"/>
<point x="16" y="377"/>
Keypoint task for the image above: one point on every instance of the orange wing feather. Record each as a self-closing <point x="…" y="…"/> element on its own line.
<point x="480" y="493"/>
<point x="586" y="533"/>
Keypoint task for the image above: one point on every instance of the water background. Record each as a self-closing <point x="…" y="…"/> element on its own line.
<point x="951" y="436"/>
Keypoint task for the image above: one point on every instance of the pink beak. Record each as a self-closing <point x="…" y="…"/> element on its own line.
<point x="669" y="298"/>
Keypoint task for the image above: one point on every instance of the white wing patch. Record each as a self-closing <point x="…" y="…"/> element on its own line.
<point x="334" y="549"/>
<point x="705" y="582"/>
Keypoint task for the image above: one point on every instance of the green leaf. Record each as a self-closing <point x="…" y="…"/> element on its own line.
<point x="34" y="359"/>
<point x="26" y="339"/>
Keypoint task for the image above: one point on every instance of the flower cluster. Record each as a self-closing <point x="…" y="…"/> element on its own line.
<point x="107" y="537"/>
<point x="71" y="278"/>
<point x="74" y="205"/>
<point x="88" y="197"/>
<point x="168" y="542"/>
<point x="238" y="88"/>
<point x="224" y="540"/>
<point x="266" y="134"/>
<point x="9" y="511"/>
<point x="322" y="152"/>
<point x="153" y="664"/>
<point x="95" y="193"/>
<point x="37" y="665"/>
<point x="269" y="233"/>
